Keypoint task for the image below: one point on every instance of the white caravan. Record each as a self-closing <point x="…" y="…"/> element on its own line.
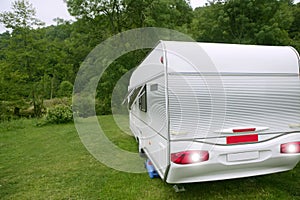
<point x="204" y="111"/>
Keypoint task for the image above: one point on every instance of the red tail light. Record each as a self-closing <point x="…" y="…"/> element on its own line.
<point x="189" y="157"/>
<point x="291" y="147"/>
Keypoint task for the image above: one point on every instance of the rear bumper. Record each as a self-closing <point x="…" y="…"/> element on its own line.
<point x="236" y="161"/>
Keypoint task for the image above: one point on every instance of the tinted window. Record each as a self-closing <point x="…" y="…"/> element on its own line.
<point x="143" y="100"/>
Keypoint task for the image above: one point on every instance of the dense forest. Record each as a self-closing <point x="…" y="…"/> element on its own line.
<point x="39" y="64"/>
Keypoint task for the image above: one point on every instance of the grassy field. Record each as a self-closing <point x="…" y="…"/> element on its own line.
<point x="50" y="162"/>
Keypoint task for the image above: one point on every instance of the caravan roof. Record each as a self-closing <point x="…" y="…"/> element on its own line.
<point x="231" y="58"/>
<point x="191" y="57"/>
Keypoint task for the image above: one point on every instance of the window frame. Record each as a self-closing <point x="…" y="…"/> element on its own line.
<point x="133" y="97"/>
<point x="143" y="99"/>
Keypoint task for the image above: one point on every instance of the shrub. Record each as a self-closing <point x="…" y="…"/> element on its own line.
<point x="65" y="89"/>
<point x="50" y="103"/>
<point x="59" y="114"/>
<point x="5" y="112"/>
<point x="10" y="110"/>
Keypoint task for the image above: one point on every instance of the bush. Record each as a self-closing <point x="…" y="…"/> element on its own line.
<point x="59" y="114"/>
<point x="65" y="89"/>
<point x="5" y="112"/>
<point x="50" y="103"/>
<point x="10" y="110"/>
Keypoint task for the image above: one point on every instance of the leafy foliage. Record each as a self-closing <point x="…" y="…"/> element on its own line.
<point x="245" y="21"/>
<point x="22" y="68"/>
<point x="65" y="89"/>
<point x="38" y="64"/>
<point x="59" y="114"/>
<point x="5" y="112"/>
<point x="22" y="17"/>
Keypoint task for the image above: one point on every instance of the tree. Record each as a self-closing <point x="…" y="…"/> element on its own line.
<point x="294" y="30"/>
<point x="38" y="63"/>
<point x="92" y="9"/>
<point x="23" y="64"/>
<point x="174" y="14"/>
<point x="244" y="21"/>
<point x="210" y="23"/>
<point x="22" y="16"/>
<point x="258" y="21"/>
<point x="122" y="15"/>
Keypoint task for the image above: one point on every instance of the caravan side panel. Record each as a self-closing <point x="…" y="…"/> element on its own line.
<point x="150" y="125"/>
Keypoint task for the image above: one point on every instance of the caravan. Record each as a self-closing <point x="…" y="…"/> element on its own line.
<point x="205" y="111"/>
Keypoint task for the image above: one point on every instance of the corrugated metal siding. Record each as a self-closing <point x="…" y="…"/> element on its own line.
<point x="155" y="117"/>
<point x="157" y="107"/>
<point x="200" y="105"/>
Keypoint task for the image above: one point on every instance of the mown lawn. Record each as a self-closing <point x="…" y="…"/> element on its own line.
<point x="50" y="162"/>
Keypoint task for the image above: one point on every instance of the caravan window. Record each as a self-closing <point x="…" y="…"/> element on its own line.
<point x="132" y="98"/>
<point x="143" y="99"/>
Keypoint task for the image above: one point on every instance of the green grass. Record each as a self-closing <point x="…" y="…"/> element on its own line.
<point x="50" y="162"/>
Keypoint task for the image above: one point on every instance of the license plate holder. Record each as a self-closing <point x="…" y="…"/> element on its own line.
<point x="244" y="156"/>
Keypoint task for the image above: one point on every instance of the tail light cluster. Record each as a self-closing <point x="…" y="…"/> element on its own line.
<point x="189" y="157"/>
<point x="290" y="148"/>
